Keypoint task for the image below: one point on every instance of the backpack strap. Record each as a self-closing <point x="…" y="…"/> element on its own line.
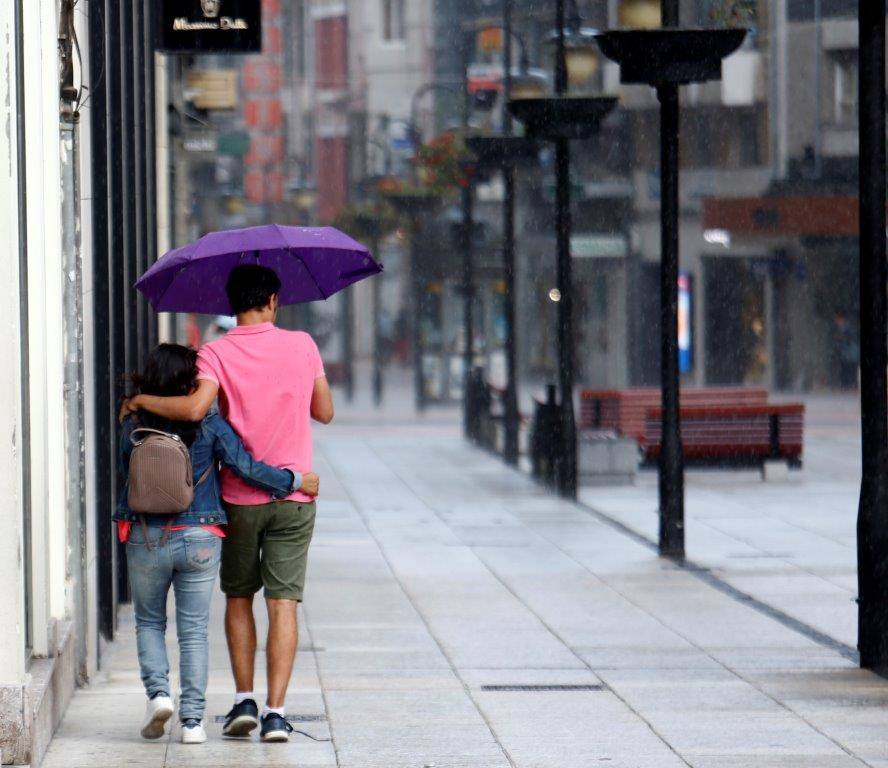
<point x="145" y="533"/>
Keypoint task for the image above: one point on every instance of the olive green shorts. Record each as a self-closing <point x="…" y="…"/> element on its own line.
<point x="266" y="545"/>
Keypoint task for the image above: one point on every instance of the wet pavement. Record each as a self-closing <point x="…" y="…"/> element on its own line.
<point x="459" y="616"/>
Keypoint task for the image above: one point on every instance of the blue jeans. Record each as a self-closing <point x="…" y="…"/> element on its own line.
<point x="189" y="562"/>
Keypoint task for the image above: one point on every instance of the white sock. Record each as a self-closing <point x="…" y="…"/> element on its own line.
<point x="241" y="696"/>
<point x="266" y="710"/>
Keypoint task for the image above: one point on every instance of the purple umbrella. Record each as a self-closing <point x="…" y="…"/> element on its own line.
<point x="312" y="262"/>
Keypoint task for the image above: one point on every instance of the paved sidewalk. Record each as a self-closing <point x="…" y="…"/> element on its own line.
<point x="790" y="544"/>
<point x="436" y="573"/>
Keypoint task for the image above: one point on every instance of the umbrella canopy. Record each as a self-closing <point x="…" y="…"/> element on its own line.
<point x="312" y="262"/>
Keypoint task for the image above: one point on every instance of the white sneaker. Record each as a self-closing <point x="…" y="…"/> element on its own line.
<point x="157" y="712"/>
<point x="193" y="732"/>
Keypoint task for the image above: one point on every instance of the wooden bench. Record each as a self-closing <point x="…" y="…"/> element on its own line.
<point x="735" y="434"/>
<point x="624" y="411"/>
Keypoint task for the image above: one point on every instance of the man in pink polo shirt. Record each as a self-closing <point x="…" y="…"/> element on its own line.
<point x="270" y="383"/>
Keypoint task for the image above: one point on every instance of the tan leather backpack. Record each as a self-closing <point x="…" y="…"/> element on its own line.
<point x="161" y="478"/>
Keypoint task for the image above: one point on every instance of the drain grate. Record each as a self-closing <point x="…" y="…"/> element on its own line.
<point x="551" y="687"/>
<point x="290" y="718"/>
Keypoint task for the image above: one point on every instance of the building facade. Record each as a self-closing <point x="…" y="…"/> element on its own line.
<point x="77" y="203"/>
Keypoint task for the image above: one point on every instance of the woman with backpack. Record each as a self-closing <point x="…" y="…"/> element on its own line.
<point x="170" y="515"/>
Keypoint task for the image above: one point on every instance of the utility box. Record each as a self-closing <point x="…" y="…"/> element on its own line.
<point x="604" y="458"/>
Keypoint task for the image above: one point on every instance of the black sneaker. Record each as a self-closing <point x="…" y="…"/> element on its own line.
<point x="275" y="728"/>
<point x="242" y="719"/>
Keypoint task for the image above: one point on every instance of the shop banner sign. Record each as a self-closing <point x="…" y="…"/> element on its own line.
<point x="210" y="26"/>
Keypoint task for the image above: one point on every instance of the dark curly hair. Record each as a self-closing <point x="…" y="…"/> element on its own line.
<point x="171" y="370"/>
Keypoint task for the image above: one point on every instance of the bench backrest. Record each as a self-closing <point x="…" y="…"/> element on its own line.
<point x="625" y="410"/>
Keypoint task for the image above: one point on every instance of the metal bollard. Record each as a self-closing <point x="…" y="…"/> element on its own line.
<point x="546" y="437"/>
<point x="475" y="395"/>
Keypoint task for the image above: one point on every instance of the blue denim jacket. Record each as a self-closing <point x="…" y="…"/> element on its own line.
<point x="216" y="442"/>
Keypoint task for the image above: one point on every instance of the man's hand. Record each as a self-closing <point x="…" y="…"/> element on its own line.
<point x="310" y="484"/>
<point x="129" y="407"/>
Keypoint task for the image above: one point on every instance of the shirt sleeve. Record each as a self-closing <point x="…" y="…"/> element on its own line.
<point x="207" y="365"/>
<point x="315" y="362"/>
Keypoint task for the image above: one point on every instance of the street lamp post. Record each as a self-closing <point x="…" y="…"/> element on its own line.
<point x="665" y="59"/>
<point x="502" y="153"/>
<point x="510" y="401"/>
<point x="872" y="518"/>
<point x="566" y="466"/>
<point x="467" y="244"/>
<point x="671" y="476"/>
<point x="560" y="119"/>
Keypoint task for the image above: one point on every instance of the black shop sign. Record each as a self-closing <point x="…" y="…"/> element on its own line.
<point x="210" y="26"/>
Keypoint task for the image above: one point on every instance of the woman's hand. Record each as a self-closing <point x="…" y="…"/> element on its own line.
<point x="128" y="407"/>
<point x="310" y="484"/>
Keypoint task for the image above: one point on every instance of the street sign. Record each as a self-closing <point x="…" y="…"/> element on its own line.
<point x="210" y="26"/>
<point x="212" y="88"/>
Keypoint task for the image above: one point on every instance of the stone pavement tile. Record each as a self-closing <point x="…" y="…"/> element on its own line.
<point x="738" y="732"/>
<point x="82" y="743"/>
<point x="646" y="657"/>
<point x="747" y="660"/>
<point x="391" y="680"/>
<point x="111" y="718"/>
<point x="404" y="708"/>
<point x="706" y="617"/>
<point x="849" y="705"/>
<point x="389" y="744"/>
<point x="374" y="638"/>
<point x="840" y="686"/>
<point x="486" y="626"/>
<point x="341" y="601"/>
<point x="814" y="600"/>
<point x="551" y="729"/>
<point x="393" y="661"/>
<point x="476" y="678"/>
<point x="576" y="603"/>
<point x="244" y="753"/>
<point x="674" y="690"/>
<point x="576" y="749"/>
<point x="775" y="761"/>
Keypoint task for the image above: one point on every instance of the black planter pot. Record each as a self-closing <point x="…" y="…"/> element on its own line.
<point x="562" y="117"/>
<point x="677" y="56"/>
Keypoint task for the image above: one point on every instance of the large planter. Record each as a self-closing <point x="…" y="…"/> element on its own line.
<point x="562" y="117"/>
<point x="678" y="56"/>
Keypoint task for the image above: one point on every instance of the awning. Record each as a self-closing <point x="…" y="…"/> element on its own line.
<point x="801" y="215"/>
<point x="598" y="246"/>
